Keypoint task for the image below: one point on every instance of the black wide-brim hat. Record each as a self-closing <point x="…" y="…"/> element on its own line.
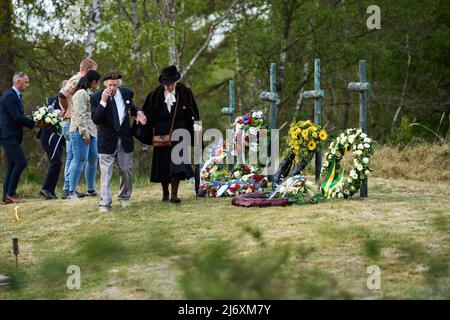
<point x="169" y="75"/>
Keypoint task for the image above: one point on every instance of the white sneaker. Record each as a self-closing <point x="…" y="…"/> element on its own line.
<point x="104" y="210"/>
<point x="125" y="203"/>
<point x="73" y="197"/>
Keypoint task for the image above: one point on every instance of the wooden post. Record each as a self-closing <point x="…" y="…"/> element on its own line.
<point x="316" y="94"/>
<point x="363" y="87"/>
<point x="230" y="109"/>
<point x="272" y="96"/>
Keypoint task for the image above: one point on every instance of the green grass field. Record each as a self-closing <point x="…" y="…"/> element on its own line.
<point x="207" y="248"/>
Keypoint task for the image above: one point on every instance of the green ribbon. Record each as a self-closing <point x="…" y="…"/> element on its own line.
<point x="331" y="182"/>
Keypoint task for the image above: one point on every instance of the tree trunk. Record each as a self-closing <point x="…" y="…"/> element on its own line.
<point x="170" y="16"/>
<point x="6" y="54"/>
<point x="300" y="96"/>
<point x="405" y="85"/>
<point x="93" y="26"/>
<point x="239" y="89"/>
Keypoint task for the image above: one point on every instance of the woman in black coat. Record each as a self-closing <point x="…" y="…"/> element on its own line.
<point x="159" y="108"/>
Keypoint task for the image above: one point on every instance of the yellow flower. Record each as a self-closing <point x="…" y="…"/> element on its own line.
<point x="296" y="147"/>
<point x="305" y="134"/>
<point x="314" y="134"/>
<point x="311" y="145"/>
<point x="323" y="135"/>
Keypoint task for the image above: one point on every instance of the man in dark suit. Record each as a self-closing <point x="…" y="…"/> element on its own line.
<point x="111" y="110"/>
<point x="12" y="121"/>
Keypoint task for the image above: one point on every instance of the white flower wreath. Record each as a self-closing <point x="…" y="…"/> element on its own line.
<point x="334" y="184"/>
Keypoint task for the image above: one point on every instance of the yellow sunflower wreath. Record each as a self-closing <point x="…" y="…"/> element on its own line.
<point x="303" y="138"/>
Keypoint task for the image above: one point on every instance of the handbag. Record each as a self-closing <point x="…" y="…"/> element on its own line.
<point x="165" y="141"/>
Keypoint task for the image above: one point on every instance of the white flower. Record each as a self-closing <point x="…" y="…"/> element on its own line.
<point x="358" y="131"/>
<point x="349" y="180"/>
<point x="367" y="172"/>
<point x="338" y="140"/>
<point x="359" y="152"/>
<point x="353" y="174"/>
<point x="351" y="139"/>
<point x="352" y="188"/>
<point x="355" y="162"/>
<point x="47" y="120"/>
<point x="43" y="109"/>
<point x="365" y="160"/>
<point x="363" y="135"/>
<point x="367" y="140"/>
<point x="237" y="174"/>
<point x="340" y="195"/>
<point x="354" y="147"/>
<point x="343" y="140"/>
<point x="54" y="121"/>
<point x="360" y="167"/>
<point x="360" y="146"/>
<point x="367" y="146"/>
<point x="325" y="163"/>
<point x="333" y="151"/>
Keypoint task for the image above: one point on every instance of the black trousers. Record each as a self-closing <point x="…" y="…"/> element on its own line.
<point x="16" y="163"/>
<point x="52" y="144"/>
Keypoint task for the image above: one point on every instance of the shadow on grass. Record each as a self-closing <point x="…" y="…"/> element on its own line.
<point x="219" y="271"/>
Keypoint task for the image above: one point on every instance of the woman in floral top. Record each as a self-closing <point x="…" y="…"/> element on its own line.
<point x="83" y="135"/>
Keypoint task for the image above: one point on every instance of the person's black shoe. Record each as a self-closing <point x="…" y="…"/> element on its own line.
<point x="47" y="194"/>
<point x="175" y="200"/>
<point x="65" y="194"/>
<point x="54" y="195"/>
<point x="81" y="194"/>
<point x="91" y="193"/>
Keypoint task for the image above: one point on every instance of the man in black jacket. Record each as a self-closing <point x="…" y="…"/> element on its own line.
<point x="12" y="121"/>
<point x="111" y="110"/>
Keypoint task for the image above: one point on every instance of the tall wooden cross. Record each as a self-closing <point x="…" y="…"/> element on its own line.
<point x="229" y="111"/>
<point x="316" y="94"/>
<point x="363" y="87"/>
<point x="272" y="96"/>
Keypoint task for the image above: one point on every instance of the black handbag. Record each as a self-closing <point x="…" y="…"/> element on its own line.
<point x="143" y="133"/>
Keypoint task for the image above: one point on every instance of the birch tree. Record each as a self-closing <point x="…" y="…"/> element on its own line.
<point x="93" y="26"/>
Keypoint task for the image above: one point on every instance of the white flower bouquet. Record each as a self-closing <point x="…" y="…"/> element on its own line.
<point x="49" y="118"/>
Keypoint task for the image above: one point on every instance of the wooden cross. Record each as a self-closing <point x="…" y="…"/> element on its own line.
<point x="316" y="94"/>
<point x="272" y="96"/>
<point x="363" y="87"/>
<point x="229" y="111"/>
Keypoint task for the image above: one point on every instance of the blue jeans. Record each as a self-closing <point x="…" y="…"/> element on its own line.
<point x="83" y="154"/>
<point x="69" y="153"/>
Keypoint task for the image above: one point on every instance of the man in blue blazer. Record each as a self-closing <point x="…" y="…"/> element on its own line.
<point x="111" y="110"/>
<point x="12" y="121"/>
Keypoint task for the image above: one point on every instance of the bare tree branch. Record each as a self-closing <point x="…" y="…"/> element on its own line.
<point x="212" y="29"/>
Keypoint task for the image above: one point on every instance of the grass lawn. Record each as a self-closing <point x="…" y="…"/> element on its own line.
<point x="207" y="248"/>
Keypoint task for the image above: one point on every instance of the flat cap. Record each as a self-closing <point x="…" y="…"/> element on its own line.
<point x="112" y="75"/>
